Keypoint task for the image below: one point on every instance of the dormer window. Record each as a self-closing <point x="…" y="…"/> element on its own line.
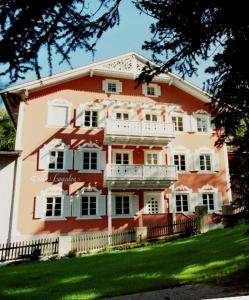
<point x="151" y="89"/>
<point x="112" y="86"/>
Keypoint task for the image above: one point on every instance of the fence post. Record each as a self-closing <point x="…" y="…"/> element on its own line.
<point x="65" y="244"/>
<point x="141" y="234"/>
<point x="201" y="218"/>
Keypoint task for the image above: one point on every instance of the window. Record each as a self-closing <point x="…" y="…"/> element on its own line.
<point x="208" y="200"/>
<point x="122" y="158"/>
<point x="152" y="159"/>
<point x="151" y="117"/>
<point x="56" y="160"/>
<point x="180" y="162"/>
<point x="88" y="205"/>
<point x="152" y="206"/>
<point x="151" y="90"/>
<point x="53" y="207"/>
<point x="178" y="123"/>
<point x="91" y="118"/>
<point x="89" y="160"/>
<point x="182" y="203"/>
<point x="205" y="162"/>
<point x="111" y="87"/>
<point x="122" y="205"/>
<point x="122" y="116"/>
<point x="202" y="124"/>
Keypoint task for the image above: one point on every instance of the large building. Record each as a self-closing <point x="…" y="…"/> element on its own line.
<point x="98" y="153"/>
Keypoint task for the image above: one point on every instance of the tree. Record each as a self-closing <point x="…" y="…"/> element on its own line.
<point x="184" y="32"/>
<point x="7" y="132"/>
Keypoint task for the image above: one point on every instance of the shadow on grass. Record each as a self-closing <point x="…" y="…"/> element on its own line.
<point x="207" y="258"/>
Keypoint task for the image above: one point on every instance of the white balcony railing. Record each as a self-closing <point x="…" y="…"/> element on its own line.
<point x="139" y="128"/>
<point x="140" y="172"/>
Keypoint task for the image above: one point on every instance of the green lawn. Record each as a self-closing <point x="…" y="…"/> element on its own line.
<point x="212" y="257"/>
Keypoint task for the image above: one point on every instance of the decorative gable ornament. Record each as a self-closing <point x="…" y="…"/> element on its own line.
<point x="182" y="188"/>
<point x="90" y="144"/>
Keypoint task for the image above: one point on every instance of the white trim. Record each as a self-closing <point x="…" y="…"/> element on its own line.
<point x="122" y="194"/>
<point x="160" y="198"/>
<point x="229" y="191"/>
<point x="128" y="151"/>
<point x="117" y="83"/>
<point x="58" y="102"/>
<point x="19" y="130"/>
<point x="85" y="70"/>
<point x="159" y="156"/>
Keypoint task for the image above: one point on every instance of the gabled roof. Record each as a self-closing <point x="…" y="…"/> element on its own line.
<point x="123" y="66"/>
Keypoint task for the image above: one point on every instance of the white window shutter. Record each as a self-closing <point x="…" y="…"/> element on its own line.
<point x="171" y="199"/>
<point x="212" y="125"/>
<point x="78" y="159"/>
<point x="50" y="118"/>
<point x="144" y="89"/>
<point x="102" y="160"/>
<point x="101" y="118"/>
<point x="193" y="201"/>
<point x="158" y="90"/>
<point x="68" y="159"/>
<point x="189" y="162"/>
<point x="104" y="85"/>
<point x="219" y="201"/>
<point x="133" y="115"/>
<point x="76" y="206"/>
<point x="196" y="161"/>
<point x="119" y="87"/>
<point x="134" y="205"/>
<point x="215" y="162"/>
<point x="193" y="122"/>
<point x="186" y="123"/>
<point x="40" y="207"/>
<point x="102" y="205"/>
<point x="67" y="206"/>
<point x="43" y="158"/>
<point x="79" y="116"/>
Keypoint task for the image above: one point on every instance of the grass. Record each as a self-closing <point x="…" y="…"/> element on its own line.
<point x="209" y="258"/>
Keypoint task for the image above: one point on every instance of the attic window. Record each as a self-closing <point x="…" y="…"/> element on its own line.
<point x="151" y="90"/>
<point x="112" y="86"/>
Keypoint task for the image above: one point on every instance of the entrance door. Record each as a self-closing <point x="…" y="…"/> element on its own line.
<point x="152" y="203"/>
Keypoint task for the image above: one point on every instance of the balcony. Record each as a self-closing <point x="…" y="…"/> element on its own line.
<point x="140" y="176"/>
<point x="138" y="132"/>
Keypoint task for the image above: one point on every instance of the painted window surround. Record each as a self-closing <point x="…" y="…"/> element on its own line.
<point x="180" y="190"/>
<point x="55" y="145"/>
<point x="80" y="115"/>
<point x="112" y="81"/>
<point x="157" y="89"/>
<point x="159" y="154"/>
<point x="215" y="165"/>
<point x="217" y="196"/>
<point x="202" y="114"/>
<point x="60" y="102"/>
<point x="133" y="205"/>
<point x="128" y="151"/>
<point x="41" y="201"/>
<point x="181" y="150"/>
<point x="89" y="147"/>
<point x="100" y="203"/>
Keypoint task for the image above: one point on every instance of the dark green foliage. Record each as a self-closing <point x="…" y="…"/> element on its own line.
<point x="7" y="132"/>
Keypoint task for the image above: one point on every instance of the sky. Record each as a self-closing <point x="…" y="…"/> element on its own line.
<point x="128" y="36"/>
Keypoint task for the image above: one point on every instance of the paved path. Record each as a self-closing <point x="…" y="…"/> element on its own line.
<point x="186" y="292"/>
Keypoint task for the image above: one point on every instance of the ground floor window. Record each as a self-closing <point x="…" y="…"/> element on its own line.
<point x="122" y="205"/>
<point x="208" y="200"/>
<point x="88" y="205"/>
<point x="182" y="203"/>
<point x="53" y="206"/>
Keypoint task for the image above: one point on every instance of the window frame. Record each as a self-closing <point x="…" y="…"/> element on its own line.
<point x="58" y="103"/>
<point x="188" y="202"/>
<point x="205" y="155"/>
<point x="91" y="110"/>
<point x="208" y="200"/>
<point x="185" y="161"/>
<point x="175" y="125"/>
<point x="120" y="151"/>
<point x="157" y="89"/>
<point x="159" y="154"/>
<point x="89" y="196"/>
<point x="53" y="216"/>
<point x="118" y="84"/>
<point x="202" y="118"/>
<point x="56" y="150"/>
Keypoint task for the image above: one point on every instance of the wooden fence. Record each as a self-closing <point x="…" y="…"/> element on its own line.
<point x="26" y="249"/>
<point x="90" y="241"/>
<point x="181" y="226"/>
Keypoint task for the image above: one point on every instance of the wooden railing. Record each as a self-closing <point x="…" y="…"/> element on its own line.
<point x="25" y="249"/>
<point x="181" y="226"/>
<point x="91" y="241"/>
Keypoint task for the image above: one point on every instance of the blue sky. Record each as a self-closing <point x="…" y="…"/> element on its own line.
<point x="128" y="36"/>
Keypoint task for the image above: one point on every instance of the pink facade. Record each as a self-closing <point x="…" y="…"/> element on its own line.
<point x="97" y="151"/>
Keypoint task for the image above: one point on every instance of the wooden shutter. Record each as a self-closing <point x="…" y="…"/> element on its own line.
<point x="158" y="90"/>
<point x="171" y="204"/>
<point x="193" y="201"/>
<point x="78" y="160"/>
<point x="101" y="118"/>
<point x="144" y="89"/>
<point x="102" y="205"/>
<point x="196" y="161"/>
<point x="133" y="114"/>
<point x="186" y="123"/>
<point x="104" y="85"/>
<point x="67" y="206"/>
<point x="40" y="207"/>
<point x="102" y="160"/>
<point x="189" y="161"/>
<point x="193" y="123"/>
<point x="43" y="158"/>
<point x="119" y="87"/>
<point x="68" y="159"/>
<point x="218" y="201"/>
<point x="79" y="116"/>
<point x="76" y="206"/>
<point x="215" y="162"/>
<point x="134" y="205"/>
